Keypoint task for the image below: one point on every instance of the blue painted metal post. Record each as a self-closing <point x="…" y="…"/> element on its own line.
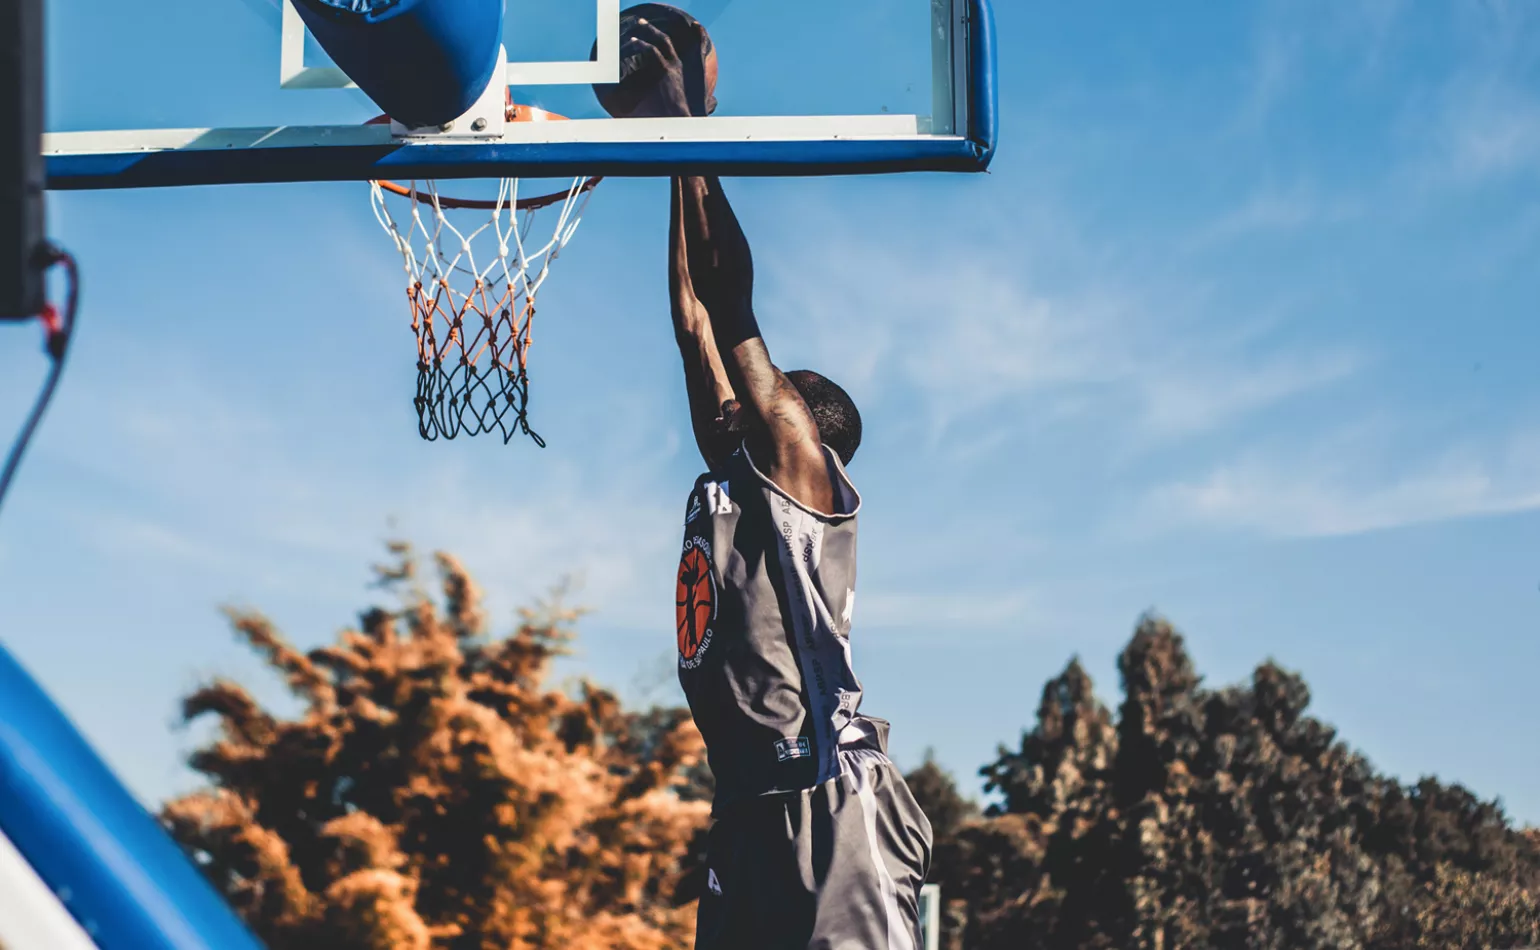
<point x="110" y="863"/>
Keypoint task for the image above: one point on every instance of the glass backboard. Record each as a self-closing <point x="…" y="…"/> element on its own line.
<point x="211" y="91"/>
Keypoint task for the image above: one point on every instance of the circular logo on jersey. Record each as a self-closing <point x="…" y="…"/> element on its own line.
<point x="695" y="602"/>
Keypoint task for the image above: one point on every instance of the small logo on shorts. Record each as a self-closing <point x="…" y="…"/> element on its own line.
<point x="712" y="884"/>
<point x="797" y="748"/>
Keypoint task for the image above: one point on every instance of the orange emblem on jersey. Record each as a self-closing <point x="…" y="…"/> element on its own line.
<point x="695" y="600"/>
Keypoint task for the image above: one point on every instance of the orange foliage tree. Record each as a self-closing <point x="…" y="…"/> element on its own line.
<point x="435" y="793"/>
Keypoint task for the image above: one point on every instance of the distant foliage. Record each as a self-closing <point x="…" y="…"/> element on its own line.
<point x="1218" y="818"/>
<point x="436" y="793"/>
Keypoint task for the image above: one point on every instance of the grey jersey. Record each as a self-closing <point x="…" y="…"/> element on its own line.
<point x="763" y="602"/>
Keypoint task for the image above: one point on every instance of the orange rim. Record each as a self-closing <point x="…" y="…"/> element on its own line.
<point x="516" y="113"/>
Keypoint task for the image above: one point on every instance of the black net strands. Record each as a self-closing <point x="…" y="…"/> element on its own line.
<point x="461" y="400"/>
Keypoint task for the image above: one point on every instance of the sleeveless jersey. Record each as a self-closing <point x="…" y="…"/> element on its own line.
<point x="763" y="601"/>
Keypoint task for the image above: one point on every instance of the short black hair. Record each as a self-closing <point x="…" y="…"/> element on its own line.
<point x="839" y="422"/>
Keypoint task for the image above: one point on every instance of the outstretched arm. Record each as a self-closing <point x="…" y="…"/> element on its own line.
<point x="785" y="441"/>
<point x="712" y="403"/>
<point x="711" y="280"/>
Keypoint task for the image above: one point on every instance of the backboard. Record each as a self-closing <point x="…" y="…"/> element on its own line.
<point x="180" y="92"/>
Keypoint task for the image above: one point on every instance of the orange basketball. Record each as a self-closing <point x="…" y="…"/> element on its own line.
<point x="639" y="76"/>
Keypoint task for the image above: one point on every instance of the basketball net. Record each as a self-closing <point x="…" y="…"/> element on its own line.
<point x="472" y="274"/>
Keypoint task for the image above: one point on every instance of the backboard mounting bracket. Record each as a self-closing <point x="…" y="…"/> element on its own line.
<point x="485" y="120"/>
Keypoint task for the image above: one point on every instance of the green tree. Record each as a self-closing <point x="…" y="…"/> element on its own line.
<point x="1222" y="818"/>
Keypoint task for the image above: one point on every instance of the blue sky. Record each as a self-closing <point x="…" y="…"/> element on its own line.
<point x="1241" y="328"/>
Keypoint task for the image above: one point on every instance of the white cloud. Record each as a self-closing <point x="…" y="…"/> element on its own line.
<point x="982" y="334"/>
<point x="1215" y="393"/>
<point x="620" y="552"/>
<point x="189" y="479"/>
<point x="951" y="610"/>
<point x="1468" y="117"/>
<point x="120" y="534"/>
<point x="1275" y="64"/>
<point x="1481" y="122"/>
<point x="1489" y="128"/>
<point x="1273" y="210"/>
<point x="1334" y="489"/>
<point x="1290" y="37"/>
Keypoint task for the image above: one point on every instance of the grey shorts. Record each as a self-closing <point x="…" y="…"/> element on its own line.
<point x="836" y="867"/>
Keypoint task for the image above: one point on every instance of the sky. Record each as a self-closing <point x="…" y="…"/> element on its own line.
<point x="1240" y="328"/>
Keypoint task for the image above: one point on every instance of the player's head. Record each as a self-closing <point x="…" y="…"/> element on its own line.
<point x="839" y="423"/>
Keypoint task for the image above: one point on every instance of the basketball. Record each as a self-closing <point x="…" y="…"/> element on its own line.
<point x="639" y="75"/>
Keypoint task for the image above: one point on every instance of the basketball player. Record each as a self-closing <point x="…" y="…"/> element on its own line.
<point x="816" y="841"/>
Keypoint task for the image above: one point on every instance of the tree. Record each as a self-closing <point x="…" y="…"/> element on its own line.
<point x="949" y="811"/>
<point x="434" y="793"/>
<point x="1222" y="818"/>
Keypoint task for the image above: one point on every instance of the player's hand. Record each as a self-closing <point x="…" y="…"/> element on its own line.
<point x="729" y="423"/>
<point x="679" y="85"/>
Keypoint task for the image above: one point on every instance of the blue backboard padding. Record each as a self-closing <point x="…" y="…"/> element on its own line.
<point x="983" y="78"/>
<point x="109" y="862"/>
<point x="617" y="159"/>
<point x="423" y="62"/>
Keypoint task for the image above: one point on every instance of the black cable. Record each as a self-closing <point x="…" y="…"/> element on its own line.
<point x="59" y="331"/>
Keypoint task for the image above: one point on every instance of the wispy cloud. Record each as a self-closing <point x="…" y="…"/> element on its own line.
<point x="1292" y="38"/>
<point x="1489" y="127"/>
<point x="128" y="535"/>
<point x="1333" y="490"/>
<point x="1470" y="116"/>
<point x="1201" y="398"/>
<point x="1479" y="122"/>
<point x="889" y="611"/>
<point x="1275" y="61"/>
<point x="1149" y="358"/>
<point x="190" y="478"/>
<point x="1274" y="210"/>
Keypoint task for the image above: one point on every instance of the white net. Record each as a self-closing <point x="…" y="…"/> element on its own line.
<point x="472" y="274"/>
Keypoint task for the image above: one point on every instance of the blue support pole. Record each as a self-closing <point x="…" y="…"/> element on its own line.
<point x="107" y="860"/>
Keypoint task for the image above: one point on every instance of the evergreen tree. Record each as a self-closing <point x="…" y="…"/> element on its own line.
<point x="1222" y="818"/>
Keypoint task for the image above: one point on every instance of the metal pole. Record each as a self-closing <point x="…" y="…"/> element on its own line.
<point x="21" y="158"/>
